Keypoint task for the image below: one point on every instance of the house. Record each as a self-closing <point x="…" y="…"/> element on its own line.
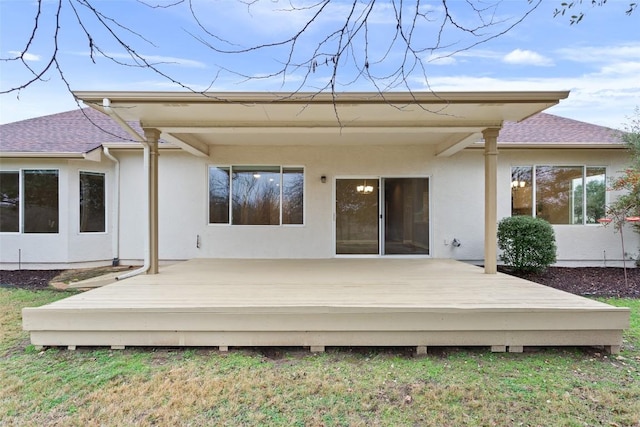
<point x="300" y="176"/>
<point x="308" y="219"/>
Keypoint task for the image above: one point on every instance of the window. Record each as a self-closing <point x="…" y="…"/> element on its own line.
<point x="9" y="202"/>
<point x="30" y="195"/>
<point x="292" y="195"/>
<point x="92" y="202"/>
<point x="219" y="187"/>
<point x="256" y="195"/>
<point x="559" y="194"/>
<point x="40" y="201"/>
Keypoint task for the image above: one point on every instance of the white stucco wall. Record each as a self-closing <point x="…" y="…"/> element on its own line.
<point x="54" y="250"/>
<point x="456" y="199"/>
<point x="593" y="245"/>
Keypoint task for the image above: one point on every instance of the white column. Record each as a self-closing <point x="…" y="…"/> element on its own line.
<point x="152" y="136"/>
<point x="490" y="200"/>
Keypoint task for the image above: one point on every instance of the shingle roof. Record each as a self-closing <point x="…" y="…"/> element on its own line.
<point x="76" y="131"/>
<point x="547" y="128"/>
<point x="80" y="131"/>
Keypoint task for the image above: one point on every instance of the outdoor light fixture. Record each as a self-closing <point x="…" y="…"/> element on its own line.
<point x="323" y="179"/>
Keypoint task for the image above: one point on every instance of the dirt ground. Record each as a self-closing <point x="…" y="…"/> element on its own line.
<point x="586" y="281"/>
<point x="42" y="279"/>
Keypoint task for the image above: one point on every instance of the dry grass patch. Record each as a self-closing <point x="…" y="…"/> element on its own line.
<point x="68" y="277"/>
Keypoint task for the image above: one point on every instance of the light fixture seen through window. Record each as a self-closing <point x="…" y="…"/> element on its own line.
<point x="518" y="184"/>
<point x="364" y="189"/>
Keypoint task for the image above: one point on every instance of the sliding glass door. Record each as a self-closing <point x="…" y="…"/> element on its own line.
<point x="406" y="216"/>
<point x="357" y="216"/>
<point x="394" y="221"/>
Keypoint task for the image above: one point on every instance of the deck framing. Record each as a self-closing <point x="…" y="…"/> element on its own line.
<point x="319" y="303"/>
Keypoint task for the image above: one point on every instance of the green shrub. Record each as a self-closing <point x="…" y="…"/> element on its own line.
<point x="528" y="244"/>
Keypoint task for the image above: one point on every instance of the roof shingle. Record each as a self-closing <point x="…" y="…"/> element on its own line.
<point x="547" y="128"/>
<point x="82" y="130"/>
<point x="76" y="131"/>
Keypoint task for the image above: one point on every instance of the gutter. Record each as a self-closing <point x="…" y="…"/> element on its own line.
<point x="106" y="104"/>
<point x="41" y="154"/>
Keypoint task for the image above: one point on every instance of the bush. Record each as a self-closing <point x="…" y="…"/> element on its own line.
<point x="528" y="244"/>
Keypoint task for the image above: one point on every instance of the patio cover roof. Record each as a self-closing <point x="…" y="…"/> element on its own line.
<point x="449" y="120"/>
<point x="193" y="121"/>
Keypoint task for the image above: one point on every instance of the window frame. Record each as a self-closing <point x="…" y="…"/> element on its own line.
<point x="230" y="167"/>
<point x="105" y="201"/>
<point x="22" y="201"/>
<point x="534" y="189"/>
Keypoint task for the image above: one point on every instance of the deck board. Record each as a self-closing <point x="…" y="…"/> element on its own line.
<point x="325" y="302"/>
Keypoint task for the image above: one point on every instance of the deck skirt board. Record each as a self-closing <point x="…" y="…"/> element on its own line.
<point x="167" y="320"/>
<point x="325" y="302"/>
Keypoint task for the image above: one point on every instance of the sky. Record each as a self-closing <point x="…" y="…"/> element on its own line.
<point x="207" y="45"/>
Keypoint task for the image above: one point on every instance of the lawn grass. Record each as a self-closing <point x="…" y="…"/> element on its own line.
<point x="343" y="387"/>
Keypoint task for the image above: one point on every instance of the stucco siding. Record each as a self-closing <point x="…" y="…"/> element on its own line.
<point x="133" y="209"/>
<point x="594" y="245"/>
<point x="50" y="250"/>
<point x="456" y="204"/>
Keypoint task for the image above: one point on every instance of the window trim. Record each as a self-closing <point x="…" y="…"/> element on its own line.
<point x="21" y="189"/>
<point x="534" y="188"/>
<point x="20" y="203"/>
<point x="106" y="201"/>
<point x="281" y="198"/>
<point x="23" y="198"/>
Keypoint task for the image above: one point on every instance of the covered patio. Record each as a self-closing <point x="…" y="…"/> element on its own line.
<point x="326" y="302"/>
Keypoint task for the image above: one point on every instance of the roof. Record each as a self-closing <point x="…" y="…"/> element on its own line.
<point x="76" y="131"/>
<point x="83" y="130"/>
<point x="547" y="128"/>
<point x="195" y="122"/>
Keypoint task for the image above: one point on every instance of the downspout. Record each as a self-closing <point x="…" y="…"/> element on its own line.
<point x="147" y="237"/>
<point x="115" y="241"/>
<point x="106" y="105"/>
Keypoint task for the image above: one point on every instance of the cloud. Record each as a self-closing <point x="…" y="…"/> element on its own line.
<point x="601" y="54"/>
<point x="170" y="60"/>
<point x="152" y="59"/>
<point x="621" y="68"/>
<point x="26" y="56"/>
<point x="527" y="57"/>
<point x="442" y="60"/>
<point x="600" y="97"/>
<point x="453" y="57"/>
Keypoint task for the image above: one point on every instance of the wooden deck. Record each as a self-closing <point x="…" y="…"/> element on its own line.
<point x="331" y="302"/>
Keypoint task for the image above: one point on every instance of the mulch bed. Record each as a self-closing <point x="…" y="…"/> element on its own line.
<point x="586" y="281"/>
<point x="32" y="280"/>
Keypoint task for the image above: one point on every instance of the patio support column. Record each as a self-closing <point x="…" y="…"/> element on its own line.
<point x="152" y="136"/>
<point x="490" y="200"/>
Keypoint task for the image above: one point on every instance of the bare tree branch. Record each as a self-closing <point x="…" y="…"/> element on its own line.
<point x="330" y="45"/>
<point x="568" y="6"/>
